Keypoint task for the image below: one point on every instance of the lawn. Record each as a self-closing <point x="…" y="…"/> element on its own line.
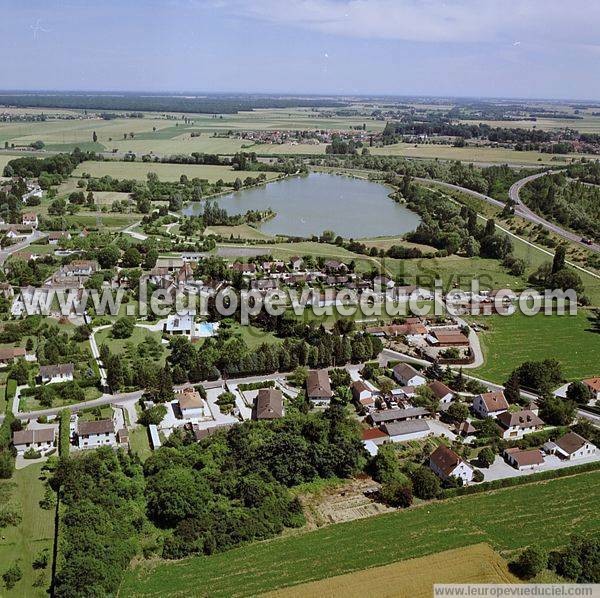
<point x="165" y="172"/>
<point x="121" y="345"/>
<point x="507" y="519"/>
<point x="514" y="339"/>
<point x="33" y="534"/>
<point x="238" y="231"/>
<point x="139" y="443"/>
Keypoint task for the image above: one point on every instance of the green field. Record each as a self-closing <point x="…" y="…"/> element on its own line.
<point x="33" y="534"/>
<point x="471" y="154"/>
<point x="514" y="339"/>
<point x="165" y="172"/>
<point x="507" y="519"/>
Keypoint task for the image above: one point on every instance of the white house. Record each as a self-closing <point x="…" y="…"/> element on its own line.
<point x="80" y="268"/>
<point x="41" y="439"/>
<point x="362" y="393"/>
<point x="177" y="324"/>
<point x="408" y="376"/>
<point x="96" y="433"/>
<point x="318" y="387"/>
<point x="383" y="283"/>
<point x="523" y="459"/>
<point x="190" y="403"/>
<point x="55" y="236"/>
<point x="571" y="446"/>
<point x="445" y="463"/>
<point x="516" y="425"/>
<point x="33" y="190"/>
<point x="63" y="372"/>
<point x="442" y="392"/>
<point x="30" y="219"/>
<point x="490" y="404"/>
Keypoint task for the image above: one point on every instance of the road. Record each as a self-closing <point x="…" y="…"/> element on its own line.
<point x="522" y="210"/>
<point x="6" y="253"/>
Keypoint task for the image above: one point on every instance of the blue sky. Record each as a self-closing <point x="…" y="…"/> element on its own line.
<point x="497" y="48"/>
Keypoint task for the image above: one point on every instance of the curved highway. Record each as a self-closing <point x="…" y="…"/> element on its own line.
<point x="520" y="208"/>
<point x="529" y="214"/>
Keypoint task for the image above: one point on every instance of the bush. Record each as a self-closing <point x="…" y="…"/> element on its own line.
<point x="531" y="561"/>
<point x="425" y="483"/>
<point x="153" y="415"/>
<point x="123" y="328"/>
<point x="478" y="476"/>
<point x="41" y="559"/>
<point x="12" y="575"/>
<point x="397" y="493"/>
<point x="31" y="453"/>
<point x="485" y="457"/>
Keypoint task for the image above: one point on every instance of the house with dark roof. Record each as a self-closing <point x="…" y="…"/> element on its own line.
<point x="62" y="372"/>
<point x="39" y="439"/>
<point x="442" y="393"/>
<point x="490" y="404"/>
<point x="516" y="425"/>
<point x="446" y="464"/>
<point x="362" y="393"/>
<point x="571" y="446"/>
<point x="9" y="354"/>
<point x="96" y="433"/>
<point x="407" y="375"/>
<point x="398" y="415"/>
<point x="318" y="387"/>
<point x="523" y="459"/>
<point x="268" y="404"/>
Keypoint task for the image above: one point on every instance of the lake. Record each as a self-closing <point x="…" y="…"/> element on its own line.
<point x="308" y="205"/>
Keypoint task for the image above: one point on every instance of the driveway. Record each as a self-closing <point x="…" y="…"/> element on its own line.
<point x="500" y="469"/>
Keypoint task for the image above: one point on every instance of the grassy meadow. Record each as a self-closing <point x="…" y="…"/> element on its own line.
<point x="25" y="541"/>
<point x="471" y="154"/>
<point x="507" y="519"/>
<point x="511" y="340"/>
<point x="165" y="172"/>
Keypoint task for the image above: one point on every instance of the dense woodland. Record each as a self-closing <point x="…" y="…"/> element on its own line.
<point x="193" y="498"/>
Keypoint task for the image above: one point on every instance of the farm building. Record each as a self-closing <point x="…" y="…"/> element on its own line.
<point x="398" y="415"/>
<point x="523" y="459"/>
<point x="407" y="430"/>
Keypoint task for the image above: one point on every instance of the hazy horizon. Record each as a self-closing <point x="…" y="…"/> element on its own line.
<point x="532" y="49"/>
